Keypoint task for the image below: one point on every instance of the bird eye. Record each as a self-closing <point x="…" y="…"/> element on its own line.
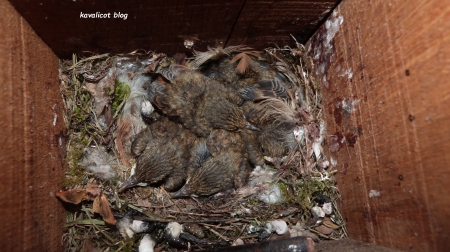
<point x="262" y="150"/>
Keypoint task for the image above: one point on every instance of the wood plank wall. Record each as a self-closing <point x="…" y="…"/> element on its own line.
<point x="164" y="25"/>
<point x="30" y="124"/>
<point x="384" y="67"/>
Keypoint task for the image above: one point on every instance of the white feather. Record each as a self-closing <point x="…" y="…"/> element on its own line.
<point x="278" y="226"/>
<point x="147" y="244"/>
<point x="99" y="162"/>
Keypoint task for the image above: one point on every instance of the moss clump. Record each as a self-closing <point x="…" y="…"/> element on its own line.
<point x="308" y="188"/>
<point x="75" y="153"/>
<point x="80" y="114"/>
<point x="121" y="93"/>
<point x="284" y="190"/>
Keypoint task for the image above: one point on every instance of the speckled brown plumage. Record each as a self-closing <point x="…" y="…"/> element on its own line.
<point x="276" y="122"/>
<point x="222" y="71"/>
<point x="260" y="80"/>
<point x="227" y="167"/>
<point x="162" y="153"/>
<point x="216" y="156"/>
<point x="253" y="148"/>
<point x="198" y="102"/>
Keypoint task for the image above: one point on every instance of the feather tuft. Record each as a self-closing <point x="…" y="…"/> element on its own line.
<point x="214" y="54"/>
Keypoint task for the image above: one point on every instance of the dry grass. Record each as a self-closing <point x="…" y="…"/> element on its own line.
<point x="224" y="218"/>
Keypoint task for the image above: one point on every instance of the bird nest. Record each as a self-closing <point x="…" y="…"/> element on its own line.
<point x="285" y="196"/>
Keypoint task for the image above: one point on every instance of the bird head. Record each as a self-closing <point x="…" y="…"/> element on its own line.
<point x="250" y="126"/>
<point x="235" y="120"/>
<point x="185" y="191"/>
<point x="132" y="181"/>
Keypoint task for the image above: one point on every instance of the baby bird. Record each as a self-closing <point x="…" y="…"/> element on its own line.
<point x="277" y="122"/>
<point x="222" y="71"/>
<point x="246" y="72"/>
<point x="197" y="102"/>
<point x="226" y="168"/>
<point x="162" y="152"/>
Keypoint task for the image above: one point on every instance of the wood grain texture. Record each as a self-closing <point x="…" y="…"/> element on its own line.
<point x="31" y="122"/>
<point x="268" y="23"/>
<point x="384" y="73"/>
<point x="151" y="25"/>
<point x="164" y="25"/>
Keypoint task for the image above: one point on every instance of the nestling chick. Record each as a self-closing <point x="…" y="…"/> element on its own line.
<point x="264" y="82"/>
<point x="222" y="71"/>
<point x="246" y="72"/>
<point x="197" y="102"/>
<point x="227" y="167"/>
<point x="222" y="143"/>
<point x="162" y="153"/>
<point x="277" y="122"/>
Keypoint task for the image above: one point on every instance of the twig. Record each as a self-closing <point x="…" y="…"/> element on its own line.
<point x="170" y="198"/>
<point x="93" y="224"/>
<point x="218" y="234"/>
<point x="249" y="236"/>
<point x="195" y="214"/>
<point x="338" y="213"/>
<point x="186" y="221"/>
<point x="242" y="231"/>
<point x="197" y="202"/>
<point x="86" y="59"/>
<point x="155" y="206"/>
<point x="321" y="235"/>
<point x="218" y="227"/>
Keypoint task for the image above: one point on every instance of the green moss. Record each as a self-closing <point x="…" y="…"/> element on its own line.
<point x="253" y="201"/>
<point x="115" y="181"/>
<point x="284" y="191"/>
<point x="121" y="93"/>
<point x="75" y="154"/>
<point x="310" y="187"/>
<point x="128" y="244"/>
<point x="80" y="111"/>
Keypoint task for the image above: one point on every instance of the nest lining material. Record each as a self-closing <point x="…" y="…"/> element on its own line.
<point x="100" y="91"/>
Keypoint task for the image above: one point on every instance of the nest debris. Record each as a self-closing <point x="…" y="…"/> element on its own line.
<point x="94" y="98"/>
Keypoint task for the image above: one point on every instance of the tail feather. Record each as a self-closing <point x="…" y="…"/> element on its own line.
<point x="256" y="94"/>
<point x="123" y="130"/>
<point x="248" y="93"/>
<point x="157" y="95"/>
<point x="172" y="71"/>
<point x="274" y="85"/>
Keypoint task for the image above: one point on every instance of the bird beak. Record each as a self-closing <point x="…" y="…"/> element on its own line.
<point x="130" y="183"/>
<point x="250" y="126"/>
<point x="183" y="192"/>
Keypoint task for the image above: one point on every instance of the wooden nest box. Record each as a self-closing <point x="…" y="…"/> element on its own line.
<point x="383" y="67"/>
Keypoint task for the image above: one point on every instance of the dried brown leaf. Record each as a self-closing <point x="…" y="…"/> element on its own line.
<point x="93" y="190"/>
<point x="101" y="206"/>
<point x="74" y="196"/>
<point x="324" y="229"/>
<point x="330" y="224"/>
